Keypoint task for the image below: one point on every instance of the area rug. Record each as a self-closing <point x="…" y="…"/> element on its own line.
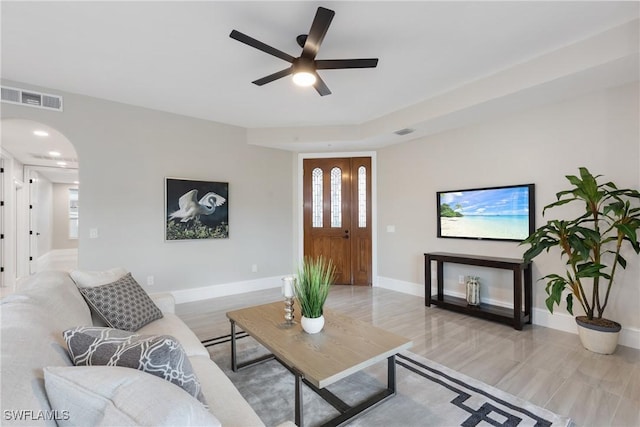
<point x="428" y="394"/>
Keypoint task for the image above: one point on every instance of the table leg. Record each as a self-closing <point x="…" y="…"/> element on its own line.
<point x="234" y="363"/>
<point x="517" y="298"/>
<point x="298" y="416"/>
<point x="391" y="374"/>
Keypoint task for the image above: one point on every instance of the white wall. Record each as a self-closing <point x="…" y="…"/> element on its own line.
<point x="541" y="146"/>
<point x="60" y="207"/>
<point x="126" y="152"/>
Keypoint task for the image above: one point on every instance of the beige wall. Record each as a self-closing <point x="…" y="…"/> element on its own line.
<point x="126" y="152"/>
<point x="540" y="146"/>
<point x="60" y="229"/>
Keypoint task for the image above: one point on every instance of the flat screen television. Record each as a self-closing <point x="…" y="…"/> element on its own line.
<point x="495" y="213"/>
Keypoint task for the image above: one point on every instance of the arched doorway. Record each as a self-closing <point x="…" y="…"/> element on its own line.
<point x="40" y="184"/>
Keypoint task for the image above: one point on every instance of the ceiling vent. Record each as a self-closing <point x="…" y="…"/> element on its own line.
<point x="405" y="131"/>
<point x="30" y="98"/>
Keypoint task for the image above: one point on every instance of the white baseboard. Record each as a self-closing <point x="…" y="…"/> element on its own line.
<point x="629" y="337"/>
<point x="226" y="289"/>
<point x="400" y="286"/>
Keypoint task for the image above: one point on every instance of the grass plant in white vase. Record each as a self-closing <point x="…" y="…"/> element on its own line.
<point x="314" y="279"/>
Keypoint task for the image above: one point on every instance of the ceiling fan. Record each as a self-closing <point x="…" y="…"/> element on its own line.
<point x="304" y="68"/>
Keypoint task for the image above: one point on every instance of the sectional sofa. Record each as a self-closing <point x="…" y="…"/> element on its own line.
<point x="42" y="386"/>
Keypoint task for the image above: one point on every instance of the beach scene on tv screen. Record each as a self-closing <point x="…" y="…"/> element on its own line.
<point x="500" y="213"/>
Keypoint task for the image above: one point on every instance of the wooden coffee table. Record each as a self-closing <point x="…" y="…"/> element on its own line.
<point x="344" y="346"/>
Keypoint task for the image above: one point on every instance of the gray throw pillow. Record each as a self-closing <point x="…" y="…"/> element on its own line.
<point x="159" y="355"/>
<point x="122" y="304"/>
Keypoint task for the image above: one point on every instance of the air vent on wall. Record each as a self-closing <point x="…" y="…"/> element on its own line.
<point x="30" y="98"/>
<point x="405" y="131"/>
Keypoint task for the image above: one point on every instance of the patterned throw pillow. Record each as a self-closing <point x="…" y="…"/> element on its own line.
<point x="159" y="355"/>
<point x="122" y="304"/>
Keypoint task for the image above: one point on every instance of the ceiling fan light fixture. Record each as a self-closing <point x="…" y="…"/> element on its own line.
<point x="304" y="68"/>
<point x="304" y="78"/>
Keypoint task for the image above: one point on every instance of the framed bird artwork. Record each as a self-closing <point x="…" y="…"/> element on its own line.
<point x="196" y="209"/>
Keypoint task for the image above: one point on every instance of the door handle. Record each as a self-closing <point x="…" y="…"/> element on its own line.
<point x="346" y="234"/>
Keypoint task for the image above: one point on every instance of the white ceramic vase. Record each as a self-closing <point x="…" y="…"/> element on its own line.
<point x="312" y="325"/>
<point x="598" y="339"/>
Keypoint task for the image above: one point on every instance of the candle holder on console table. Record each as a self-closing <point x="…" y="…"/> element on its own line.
<point x="288" y="286"/>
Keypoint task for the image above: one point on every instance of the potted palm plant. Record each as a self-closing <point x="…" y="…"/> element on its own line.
<point x="593" y="245"/>
<point x="314" y="278"/>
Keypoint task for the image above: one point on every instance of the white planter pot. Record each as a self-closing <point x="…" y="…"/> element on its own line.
<point x="598" y="339"/>
<point x="312" y="326"/>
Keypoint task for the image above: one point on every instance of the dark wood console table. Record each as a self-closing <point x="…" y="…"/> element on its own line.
<point x="517" y="316"/>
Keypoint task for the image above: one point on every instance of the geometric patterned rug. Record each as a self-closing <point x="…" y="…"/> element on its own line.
<point x="428" y="394"/>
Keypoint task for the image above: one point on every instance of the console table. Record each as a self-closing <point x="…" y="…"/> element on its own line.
<point x="517" y="316"/>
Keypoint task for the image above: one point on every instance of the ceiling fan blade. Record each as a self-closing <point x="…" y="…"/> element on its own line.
<point x="237" y="35"/>
<point x="333" y="64"/>
<point x="317" y="32"/>
<point x="321" y="86"/>
<point x="273" y="77"/>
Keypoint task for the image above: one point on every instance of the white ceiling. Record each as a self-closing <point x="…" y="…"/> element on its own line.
<point x="178" y="57"/>
<point x="19" y="140"/>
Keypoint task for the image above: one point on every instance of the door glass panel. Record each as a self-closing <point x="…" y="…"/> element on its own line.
<point x="316" y="198"/>
<point x="336" y="197"/>
<point x="362" y="197"/>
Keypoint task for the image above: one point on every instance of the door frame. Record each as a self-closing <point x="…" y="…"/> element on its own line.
<point x="374" y="204"/>
<point x="31" y="177"/>
<point x="21" y="217"/>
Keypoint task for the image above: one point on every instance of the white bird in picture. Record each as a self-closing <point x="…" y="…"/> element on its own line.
<point x="192" y="208"/>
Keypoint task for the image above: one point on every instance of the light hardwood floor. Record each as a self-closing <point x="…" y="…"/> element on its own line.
<point x="547" y="367"/>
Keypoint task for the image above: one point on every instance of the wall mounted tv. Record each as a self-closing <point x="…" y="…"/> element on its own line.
<point x="496" y="213"/>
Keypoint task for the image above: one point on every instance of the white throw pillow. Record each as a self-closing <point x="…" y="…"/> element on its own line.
<point x="90" y="279"/>
<point x="116" y="396"/>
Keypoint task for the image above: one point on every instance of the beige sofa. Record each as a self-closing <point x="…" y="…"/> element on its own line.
<point x="31" y="335"/>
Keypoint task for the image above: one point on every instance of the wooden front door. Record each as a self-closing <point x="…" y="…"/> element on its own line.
<point x="337" y="215"/>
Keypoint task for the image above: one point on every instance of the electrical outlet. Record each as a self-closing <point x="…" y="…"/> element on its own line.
<point x="150" y="281"/>
<point x="254" y="268"/>
<point x="93" y="233"/>
<point x="461" y="280"/>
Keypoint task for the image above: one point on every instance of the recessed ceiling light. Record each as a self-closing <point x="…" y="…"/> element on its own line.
<point x="40" y="133"/>
<point x="54" y="153"/>
<point x="76" y="182"/>
<point x="61" y="163"/>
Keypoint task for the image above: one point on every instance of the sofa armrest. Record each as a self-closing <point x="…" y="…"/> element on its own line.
<point x="165" y="302"/>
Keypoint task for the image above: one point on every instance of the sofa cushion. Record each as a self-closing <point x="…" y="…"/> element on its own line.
<point x="171" y="324"/>
<point x="89" y="279"/>
<point x="165" y="301"/>
<point x="122" y="304"/>
<point x="161" y="356"/>
<point x="116" y="396"/>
